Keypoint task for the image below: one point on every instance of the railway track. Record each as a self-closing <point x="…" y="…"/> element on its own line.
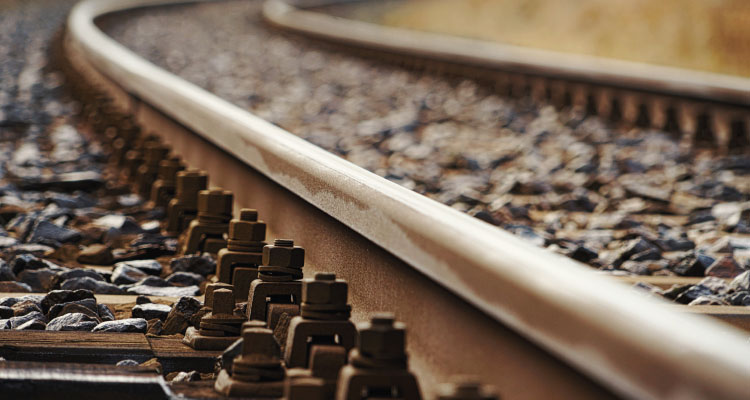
<point x="475" y="300"/>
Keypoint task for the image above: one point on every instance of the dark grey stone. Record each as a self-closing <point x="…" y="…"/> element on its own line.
<point x="741" y="282"/>
<point x="152" y="281"/>
<point x="183" y="376"/>
<point x="142" y="300"/>
<point x="25" y="307"/>
<point x="6" y="273"/>
<point x="127" y="363"/>
<point x="151" y="310"/>
<point x="72" y="322"/>
<point x="188" y="306"/>
<point x="56" y="310"/>
<point x="77" y="273"/>
<point x="80" y="200"/>
<point x="15" y="322"/>
<point x="105" y="313"/>
<point x="124" y="274"/>
<point x="138" y="325"/>
<point x="92" y="285"/>
<point x="151" y="267"/>
<point x="185" y="279"/>
<point x="123" y="224"/>
<point x="15" y="287"/>
<point x="6" y="312"/>
<point x="693" y="265"/>
<point x="692" y="293"/>
<point x="64" y="296"/>
<point x="45" y="231"/>
<point x="40" y="280"/>
<point x="739" y="298"/>
<point x="172" y="291"/>
<point x="198" y="264"/>
<point x="24" y="262"/>
<point x="32" y="325"/>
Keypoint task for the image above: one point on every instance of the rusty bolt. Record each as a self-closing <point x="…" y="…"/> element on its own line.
<point x="466" y="389"/>
<point x="382" y="338"/>
<point x="283" y="253"/>
<point x="258" y="344"/>
<point x="223" y="302"/>
<point x="247" y="228"/>
<point x="324" y="289"/>
<point x="209" y="295"/>
<point x="215" y="201"/>
<point x="248" y="214"/>
<point x="253" y="324"/>
<point x="154" y="153"/>
<point x="189" y="183"/>
<point x="169" y="168"/>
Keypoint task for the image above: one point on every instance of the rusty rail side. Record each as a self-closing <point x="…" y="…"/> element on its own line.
<point x="611" y="334"/>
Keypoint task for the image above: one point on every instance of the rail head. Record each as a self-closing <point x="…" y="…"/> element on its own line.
<point x="601" y="327"/>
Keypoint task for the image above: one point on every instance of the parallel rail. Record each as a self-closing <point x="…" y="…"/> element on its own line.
<point x="702" y="106"/>
<point x="476" y="299"/>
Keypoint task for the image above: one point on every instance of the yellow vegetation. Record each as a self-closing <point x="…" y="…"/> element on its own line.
<point x="711" y="35"/>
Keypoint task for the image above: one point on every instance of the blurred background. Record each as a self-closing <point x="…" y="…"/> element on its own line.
<point x="708" y="35"/>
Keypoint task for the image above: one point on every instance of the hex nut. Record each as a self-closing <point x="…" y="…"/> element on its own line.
<point x="248" y="214"/>
<point x="324" y="289"/>
<point x="210" y="288"/>
<point x="189" y="183"/>
<point x="223" y="301"/>
<point x="169" y="168"/>
<point x="382" y="338"/>
<point x="247" y="231"/>
<point x="154" y="153"/>
<point x="259" y="342"/>
<point x="283" y="256"/>
<point x="215" y="201"/>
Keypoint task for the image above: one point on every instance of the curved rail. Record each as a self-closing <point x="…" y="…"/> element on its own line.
<point x="627" y="342"/>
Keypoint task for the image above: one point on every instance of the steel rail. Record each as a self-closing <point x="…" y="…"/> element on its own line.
<point x="622" y="340"/>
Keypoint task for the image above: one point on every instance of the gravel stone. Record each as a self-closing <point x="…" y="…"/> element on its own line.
<point x="93" y="285"/>
<point x="171" y="291"/>
<point x="72" y="322"/>
<point x="185" y="279"/>
<point x="137" y="325"/>
<point x="124" y="274"/>
<point x="64" y="296"/>
<point x="151" y="310"/>
<point x="151" y="267"/>
<point x="105" y="313"/>
<point x="199" y="264"/>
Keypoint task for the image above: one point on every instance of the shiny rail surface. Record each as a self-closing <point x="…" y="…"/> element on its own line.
<point x="458" y="283"/>
<point x="701" y="106"/>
